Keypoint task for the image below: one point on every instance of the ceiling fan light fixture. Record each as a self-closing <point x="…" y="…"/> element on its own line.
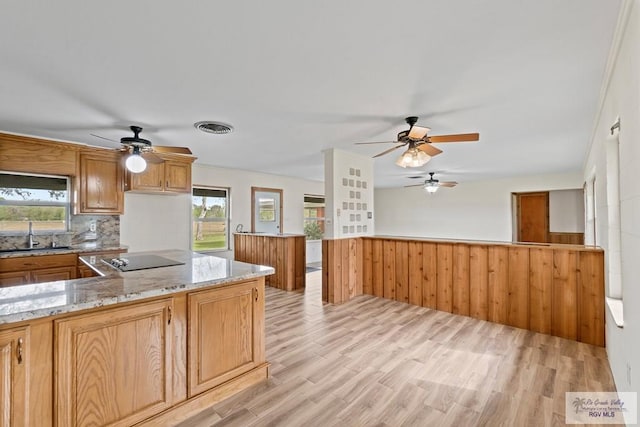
<point x="418" y="132"/>
<point x="135" y="163"/>
<point x="431" y="187"/>
<point x="413" y="158"/>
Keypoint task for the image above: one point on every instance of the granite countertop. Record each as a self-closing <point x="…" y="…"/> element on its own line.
<point x="28" y="302"/>
<point x="74" y="249"/>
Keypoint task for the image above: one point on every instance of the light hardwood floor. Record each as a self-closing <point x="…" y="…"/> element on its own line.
<point x="377" y="362"/>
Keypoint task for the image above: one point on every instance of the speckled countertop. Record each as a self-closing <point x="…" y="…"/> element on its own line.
<point x="28" y="302"/>
<point x="75" y="249"/>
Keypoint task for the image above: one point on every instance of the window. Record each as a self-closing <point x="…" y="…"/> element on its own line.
<point x="210" y="214"/>
<point x="314" y="217"/>
<point x="267" y="209"/>
<point x="40" y="200"/>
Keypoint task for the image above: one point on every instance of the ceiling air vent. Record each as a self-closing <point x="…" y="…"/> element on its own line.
<point x="214" y="127"/>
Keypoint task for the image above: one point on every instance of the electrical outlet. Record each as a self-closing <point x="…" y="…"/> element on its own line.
<point x="92" y="226"/>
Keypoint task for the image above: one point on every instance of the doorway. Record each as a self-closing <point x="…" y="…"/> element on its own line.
<point x="532" y="217"/>
<point x="266" y="210"/>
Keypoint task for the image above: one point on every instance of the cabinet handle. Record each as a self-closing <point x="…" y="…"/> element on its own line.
<point x="167" y="184"/>
<point x="255" y="293"/>
<point x="169" y="315"/>
<point x="19" y="350"/>
<point x="160" y="183"/>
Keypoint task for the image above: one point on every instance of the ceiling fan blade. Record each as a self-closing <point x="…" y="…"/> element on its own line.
<point x="418" y="132"/>
<point x="429" y="149"/>
<point x="414" y="185"/>
<point x="461" y="137"/>
<point x="448" y="184"/>
<point x="151" y="158"/>
<point x="174" y="150"/>
<point x="389" y="150"/>
<point x="102" y="137"/>
<point x="380" y="142"/>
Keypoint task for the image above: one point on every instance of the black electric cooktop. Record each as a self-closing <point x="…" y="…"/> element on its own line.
<point x="140" y="262"/>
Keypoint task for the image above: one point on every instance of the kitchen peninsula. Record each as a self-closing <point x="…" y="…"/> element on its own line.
<point x="149" y="346"/>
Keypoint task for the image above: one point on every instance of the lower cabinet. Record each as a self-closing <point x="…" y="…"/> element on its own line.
<point x="13" y="377"/>
<point x="52" y="274"/>
<point x="114" y="367"/>
<point x="14" y="278"/>
<point x="226" y="334"/>
<point x="37" y="269"/>
<point x="146" y="363"/>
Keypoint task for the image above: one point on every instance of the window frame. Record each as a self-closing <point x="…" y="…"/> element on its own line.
<point x="66" y="204"/>
<point x="226" y="220"/>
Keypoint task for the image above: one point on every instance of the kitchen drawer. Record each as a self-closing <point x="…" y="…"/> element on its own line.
<point x="37" y="261"/>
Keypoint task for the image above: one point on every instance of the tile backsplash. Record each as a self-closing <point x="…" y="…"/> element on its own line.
<point x="107" y="233"/>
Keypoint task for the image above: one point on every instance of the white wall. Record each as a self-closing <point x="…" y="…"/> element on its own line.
<point x="621" y="98"/>
<point x="566" y="211"/>
<point x="348" y="194"/>
<point x="479" y="210"/>
<point x="154" y="222"/>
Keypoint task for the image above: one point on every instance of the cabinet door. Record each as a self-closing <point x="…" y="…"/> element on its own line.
<point x="177" y="176"/>
<point x="14" y="278"/>
<point x="225" y="334"/>
<point x="113" y="367"/>
<point x="53" y="274"/>
<point x="152" y="179"/>
<point x="13" y="378"/>
<point x="101" y="183"/>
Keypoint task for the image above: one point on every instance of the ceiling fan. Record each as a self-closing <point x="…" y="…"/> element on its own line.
<point x="420" y="150"/>
<point x="431" y="185"/>
<point x="137" y="146"/>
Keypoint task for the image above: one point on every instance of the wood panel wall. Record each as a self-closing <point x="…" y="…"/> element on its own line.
<point x="286" y="254"/>
<point x="552" y="289"/>
<point x="566" y="238"/>
<point x="342" y="269"/>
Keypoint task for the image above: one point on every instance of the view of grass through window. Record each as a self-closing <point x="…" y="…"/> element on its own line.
<point x="314" y="217"/>
<point x="43" y="201"/>
<point x="210" y="219"/>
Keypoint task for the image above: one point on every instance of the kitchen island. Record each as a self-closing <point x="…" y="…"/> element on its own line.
<point x="150" y="346"/>
<point x="284" y="252"/>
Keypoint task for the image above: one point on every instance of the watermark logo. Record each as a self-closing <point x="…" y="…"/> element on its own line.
<point x="601" y="408"/>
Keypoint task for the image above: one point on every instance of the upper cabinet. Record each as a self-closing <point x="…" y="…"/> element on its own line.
<point x="35" y="155"/>
<point x="165" y="173"/>
<point x="100" y="182"/>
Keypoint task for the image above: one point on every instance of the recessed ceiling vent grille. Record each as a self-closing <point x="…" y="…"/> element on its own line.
<point x="214" y="127"/>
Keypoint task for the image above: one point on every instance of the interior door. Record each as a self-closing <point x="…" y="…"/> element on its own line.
<point x="266" y="215"/>
<point x="533" y="217"/>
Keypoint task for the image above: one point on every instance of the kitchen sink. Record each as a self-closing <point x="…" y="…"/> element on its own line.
<point x="57" y="248"/>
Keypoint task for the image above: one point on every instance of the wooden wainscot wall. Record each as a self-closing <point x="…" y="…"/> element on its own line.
<point x="285" y="253"/>
<point x="551" y="289"/>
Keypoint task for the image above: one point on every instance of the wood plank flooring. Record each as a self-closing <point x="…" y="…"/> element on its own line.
<point x="377" y="362"/>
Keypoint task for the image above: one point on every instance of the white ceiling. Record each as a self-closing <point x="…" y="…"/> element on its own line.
<point x="296" y="77"/>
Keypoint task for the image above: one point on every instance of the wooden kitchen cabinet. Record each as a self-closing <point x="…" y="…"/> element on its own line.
<point x="42" y="275"/>
<point x="100" y="182"/>
<point x="14" y="395"/>
<point x="113" y="367"/>
<point x="13" y="278"/>
<point x="226" y="330"/>
<point x="37" y="269"/>
<point x="170" y="176"/>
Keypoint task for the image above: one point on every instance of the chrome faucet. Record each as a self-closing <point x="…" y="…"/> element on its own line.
<point x="32" y="242"/>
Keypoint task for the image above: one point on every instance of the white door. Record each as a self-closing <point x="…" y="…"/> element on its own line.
<point x="266" y="211"/>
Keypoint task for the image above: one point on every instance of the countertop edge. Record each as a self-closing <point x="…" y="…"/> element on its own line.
<point x="44" y="252"/>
